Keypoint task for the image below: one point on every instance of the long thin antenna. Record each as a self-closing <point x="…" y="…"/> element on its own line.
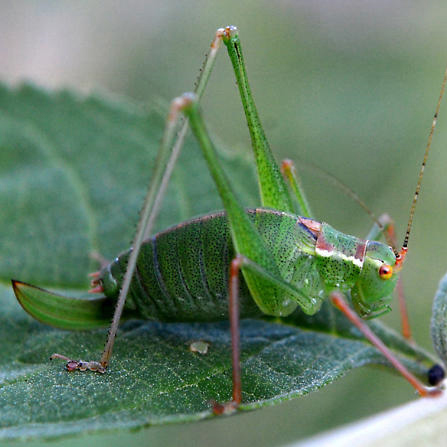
<point x="404" y="248"/>
<point x="345" y="189"/>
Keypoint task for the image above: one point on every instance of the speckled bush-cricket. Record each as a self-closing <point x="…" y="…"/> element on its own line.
<point x="237" y="263"/>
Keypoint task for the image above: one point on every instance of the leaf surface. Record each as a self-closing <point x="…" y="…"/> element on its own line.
<point x="439" y="320"/>
<point x="73" y="172"/>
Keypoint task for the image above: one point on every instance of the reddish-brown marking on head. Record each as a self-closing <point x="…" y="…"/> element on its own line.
<point x="361" y="251"/>
<point x="311" y="225"/>
<point x="323" y="245"/>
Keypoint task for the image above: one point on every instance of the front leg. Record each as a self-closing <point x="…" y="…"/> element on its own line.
<point x="282" y="287"/>
<point x="340" y="303"/>
<point x="385" y="226"/>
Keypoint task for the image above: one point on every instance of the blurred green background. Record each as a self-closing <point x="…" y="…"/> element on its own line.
<point x="349" y="86"/>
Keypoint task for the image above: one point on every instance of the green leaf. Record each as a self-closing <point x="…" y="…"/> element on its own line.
<point x="73" y="172"/>
<point x="439" y="320"/>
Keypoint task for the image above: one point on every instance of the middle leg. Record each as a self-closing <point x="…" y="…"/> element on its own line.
<point x="233" y="309"/>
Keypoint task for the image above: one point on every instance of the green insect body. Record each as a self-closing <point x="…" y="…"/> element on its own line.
<point x="182" y="272"/>
<point x="286" y="261"/>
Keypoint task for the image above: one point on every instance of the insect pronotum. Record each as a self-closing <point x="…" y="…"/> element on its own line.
<point x="287" y="258"/>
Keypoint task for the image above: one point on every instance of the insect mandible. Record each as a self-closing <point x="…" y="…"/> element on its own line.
<point x="277" y="257"/>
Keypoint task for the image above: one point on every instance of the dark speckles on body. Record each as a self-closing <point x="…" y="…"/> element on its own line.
<point x="182" y="272"/>
<point x="158" y="274"/>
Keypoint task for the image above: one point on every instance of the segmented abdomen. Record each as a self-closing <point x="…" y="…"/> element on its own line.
<point x="182" y="273"/>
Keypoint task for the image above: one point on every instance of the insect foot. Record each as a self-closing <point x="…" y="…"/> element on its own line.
<point x="436" y="374"/>
<point x="80" y="365"/>
<point x="226" y="408"/>
<point x="432" y="392"/>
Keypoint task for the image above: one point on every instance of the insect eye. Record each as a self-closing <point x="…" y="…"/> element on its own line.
<point x="386" y="271"/>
